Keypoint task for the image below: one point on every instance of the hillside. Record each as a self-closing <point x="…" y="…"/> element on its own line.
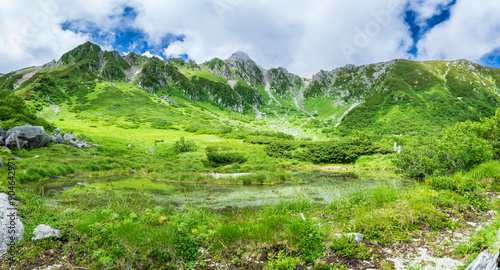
<point x="168" y="164"/>
<point x="396" y="97"/>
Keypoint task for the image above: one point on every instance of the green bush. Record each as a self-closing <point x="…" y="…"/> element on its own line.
<point x="183" y="145"/>
<point x="186" y="246"/>
<point x="218" y="156"/>
<point x="311" y="244"/>
<point x="347" y="247"/>
<point x="456" y="151"/>
<point x="281" y="262"/>
<point x="281" y="149"/>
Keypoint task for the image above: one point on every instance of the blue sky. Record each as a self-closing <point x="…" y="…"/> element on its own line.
<point x="301" y="36"/>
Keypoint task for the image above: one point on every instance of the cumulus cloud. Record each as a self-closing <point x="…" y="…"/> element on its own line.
<point x="303" y="36"/>
<point x="471" y="32"/>
<point x="149" y="54"/>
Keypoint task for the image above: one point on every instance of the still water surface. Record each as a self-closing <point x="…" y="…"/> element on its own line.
<point x="316" y="186"/>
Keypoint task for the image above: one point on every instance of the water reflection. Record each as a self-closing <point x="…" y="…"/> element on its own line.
<point x="316" y="186"/>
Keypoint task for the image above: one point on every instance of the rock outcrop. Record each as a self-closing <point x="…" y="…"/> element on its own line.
<point x="11" y="227"/>
<point x="488" y="259"/>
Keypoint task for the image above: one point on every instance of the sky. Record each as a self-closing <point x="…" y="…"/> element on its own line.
<point x="302" y="36"/>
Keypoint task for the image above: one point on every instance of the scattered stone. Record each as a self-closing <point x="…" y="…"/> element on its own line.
<point x="69" y="137"/>
<point x="16" y="158"/>
<point x="2" y="133"/>
<point x="9" y="218"/>
<point x="6" y="149"/>
<point x="57" y="130"/>
<point x="43" y="231"/>
<point x="2" y="165"/>
<point x="29" y="136"/>
<point x="71" y="140"/>
<point x="57" y="139"/>
<point x="129" y="145"/>
<point x="37" y="156"/>
<point x="357" y="236"/>
<point x="95" y="145"/>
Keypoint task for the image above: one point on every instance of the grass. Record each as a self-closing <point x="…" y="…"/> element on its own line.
<point x="110" y="228"/>
<point x="128" y="224"/>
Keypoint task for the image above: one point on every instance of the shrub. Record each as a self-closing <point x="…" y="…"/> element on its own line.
<point x="217" y="156"/>
<point x="183" y="145"/>
<point x="281" y="262"/>
<point x="347" y="247"/>
<point x="281" y="149"/>
<point x="186" y="246"/>
<point x="311" y="243"/>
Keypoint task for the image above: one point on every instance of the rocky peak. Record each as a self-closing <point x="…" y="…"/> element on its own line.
<point x="239" y="56"/>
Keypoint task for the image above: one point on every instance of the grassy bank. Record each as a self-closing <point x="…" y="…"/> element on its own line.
<point x="135" y="230"/>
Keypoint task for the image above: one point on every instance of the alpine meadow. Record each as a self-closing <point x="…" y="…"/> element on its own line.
<point x="141" y="163"/>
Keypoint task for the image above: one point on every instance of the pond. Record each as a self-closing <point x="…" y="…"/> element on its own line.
<point x="316" y="186"/>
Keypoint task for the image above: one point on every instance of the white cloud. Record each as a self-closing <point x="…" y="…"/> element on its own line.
<point x="148" y="54"/>
<point x="427" y="9"/>
<point x="175" y="49"/>
<point x="303" y="36"/>
<point x="472" y="31"/>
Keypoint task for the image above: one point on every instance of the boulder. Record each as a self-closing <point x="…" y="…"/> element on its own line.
<point x="34" y="137"/>
<point x="11" y="227"/>
<point x="56" y="138"/>
<point x="2" y="133"/>
<point x="6" y="149"/>
<point x="69" y="137"/>
<point x="43" y="231"/>
<point x="2" y="141"/>
<point x="357" y="236"/>
<point x="12" y="142"/>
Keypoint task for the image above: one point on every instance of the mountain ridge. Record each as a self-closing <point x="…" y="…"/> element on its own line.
<point x="382" y="95"/>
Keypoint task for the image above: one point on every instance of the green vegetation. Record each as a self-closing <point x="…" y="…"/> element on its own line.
<point x="211" y="127"/>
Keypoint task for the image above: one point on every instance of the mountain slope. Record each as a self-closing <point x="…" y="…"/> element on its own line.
<point x="395" y="97"/>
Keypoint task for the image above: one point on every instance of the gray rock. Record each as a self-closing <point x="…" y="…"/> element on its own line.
<point x="16" y="158"/>
<point x="488" y="259"/>
<point x="12" y="142"/>
<point x="2" y="165"/>
<point x="11" y="227"/>
<point x="69" y="137"/>
<point x="57" y="139"/>
<point x="31" y="137"/>
<point x="2" y="133"/>
<point x="2" y="141"/>
<point x="43" y="231"/>
<point x="357" y="236"/>
<point x="6" y="149"/>
<point x="129" y="145"/>
<point x="57" y="130"/>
